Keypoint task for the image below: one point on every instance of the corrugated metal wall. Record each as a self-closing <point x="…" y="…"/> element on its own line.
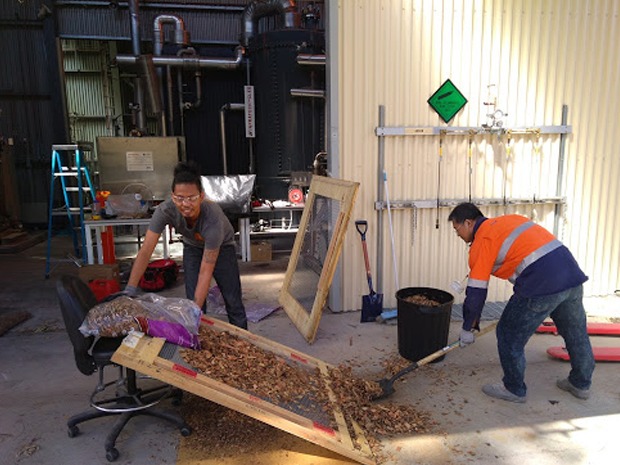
<point x="31" y="108"/>
<point x="539" y="55"/>
<point x="93" y="103"/>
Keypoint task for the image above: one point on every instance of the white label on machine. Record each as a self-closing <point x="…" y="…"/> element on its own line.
<point x="250" y="122"/>
<point x="139" y="161"/>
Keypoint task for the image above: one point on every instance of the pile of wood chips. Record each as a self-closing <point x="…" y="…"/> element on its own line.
<point x="242" y="365"/>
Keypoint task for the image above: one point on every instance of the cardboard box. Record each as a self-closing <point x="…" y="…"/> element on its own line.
<point x="260" y="251"/>
<point x="89" y="272"/>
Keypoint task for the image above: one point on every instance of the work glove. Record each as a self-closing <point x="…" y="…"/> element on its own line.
<point x="131" y="291"/>
<point x="466" y="338"/>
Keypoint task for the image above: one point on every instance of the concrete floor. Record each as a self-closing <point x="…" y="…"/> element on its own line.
<point x="40" y="387"/>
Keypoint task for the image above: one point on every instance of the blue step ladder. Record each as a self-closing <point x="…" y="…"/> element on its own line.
<point x="69" y="167"/>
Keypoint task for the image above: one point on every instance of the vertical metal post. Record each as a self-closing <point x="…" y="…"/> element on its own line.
<point x="560" y="178"/>
<point x="134" y="12"/>
<point x="381" y="163"/>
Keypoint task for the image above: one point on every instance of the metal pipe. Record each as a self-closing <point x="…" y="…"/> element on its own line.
<point x="313" y="93"/>
<point x="181" y="104"/>
<point x="311" y="60"/>
<point x="226" y="106"/>
<point x="189" y="62"/>
<point x="256" y="10"/>
<point x="198" y="78"/>
<point x="381" y="167"/>
<point x="134" y="11"/>
<point x="560" y="177"/>
<point x="152" y="82"/>
<point x="152" y="5"/>
<point x="180" y="34"/>
<point x="181" y="39"/>
<point x="170" y="102"/>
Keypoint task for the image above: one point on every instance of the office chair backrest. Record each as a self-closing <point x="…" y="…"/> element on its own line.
<point x="76" y="299"/>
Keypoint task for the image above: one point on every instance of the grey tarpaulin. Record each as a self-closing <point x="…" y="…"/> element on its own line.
<point x="231" y="192"/>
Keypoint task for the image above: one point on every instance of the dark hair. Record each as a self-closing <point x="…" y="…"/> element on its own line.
<point x="464" y="211"/>
<point x="186" y="173"/>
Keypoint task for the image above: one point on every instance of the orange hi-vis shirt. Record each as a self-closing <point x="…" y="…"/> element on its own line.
<point x="512" y="247"/>
<point x="504" y="246"/>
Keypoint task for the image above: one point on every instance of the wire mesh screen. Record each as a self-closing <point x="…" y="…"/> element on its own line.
<point x="313" y="252"/>
<point x="307" y="405"/>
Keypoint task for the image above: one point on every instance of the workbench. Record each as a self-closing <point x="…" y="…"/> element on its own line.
<point x="97" y="226"/>
<point x="288" y="228"/>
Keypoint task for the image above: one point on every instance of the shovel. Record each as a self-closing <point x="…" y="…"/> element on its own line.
<point x="387" y="384"/>
<point x="372" y="304"/>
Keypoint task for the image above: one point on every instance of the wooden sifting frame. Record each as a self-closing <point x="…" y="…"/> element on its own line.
<point x="161" y="360"/>
<point x="335" y="189"/>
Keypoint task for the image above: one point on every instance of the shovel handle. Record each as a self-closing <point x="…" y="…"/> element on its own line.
<point x="362" y="227"/>
<point x="435" y="355"/>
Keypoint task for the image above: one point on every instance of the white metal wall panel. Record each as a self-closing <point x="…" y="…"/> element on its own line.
<point x="539" y="55"/>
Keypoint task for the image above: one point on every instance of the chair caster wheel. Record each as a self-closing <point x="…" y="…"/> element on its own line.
<point x="73" y="431"/>
<point x="186" y="431"/>
<point x="177" y="397"/>
<point x="111" y="454"/>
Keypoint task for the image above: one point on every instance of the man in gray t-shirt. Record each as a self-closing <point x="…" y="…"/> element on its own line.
<point x="211" y="230"/>
<point x="208" y="244"/>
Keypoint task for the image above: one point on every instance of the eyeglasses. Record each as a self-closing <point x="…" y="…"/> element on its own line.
<point x="189" y="199"/>
<point x="457" y="227"/>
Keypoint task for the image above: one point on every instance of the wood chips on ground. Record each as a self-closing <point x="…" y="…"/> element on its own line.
<point x="244" y="366"/>
<point x="11" y="319"/>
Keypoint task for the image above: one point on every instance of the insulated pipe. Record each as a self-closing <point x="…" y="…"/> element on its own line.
<point x="180" y="34"/>
<point x="256" y="10"/>
<point x="181" y="39"/>
<point x="134" y="10"/>
<point x="313" y="60"/>
<point x="226" y="106"/>
<point x="189" y="62"/>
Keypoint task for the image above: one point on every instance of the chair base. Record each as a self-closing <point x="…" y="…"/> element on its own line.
<point x="123" y="418"/>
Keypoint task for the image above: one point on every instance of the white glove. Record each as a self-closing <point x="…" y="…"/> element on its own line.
<point x="466" y="338"/>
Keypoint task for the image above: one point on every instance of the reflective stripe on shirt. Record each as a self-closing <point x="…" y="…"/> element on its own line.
<point x="503" y="251"/>
<point x="477" y="283"/>
<point x="532" y="257"/>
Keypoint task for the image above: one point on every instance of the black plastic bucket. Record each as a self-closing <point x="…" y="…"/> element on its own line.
<point x="423" y="329"/>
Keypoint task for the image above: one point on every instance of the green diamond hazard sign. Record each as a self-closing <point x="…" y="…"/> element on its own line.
<point x="447" y="101"/>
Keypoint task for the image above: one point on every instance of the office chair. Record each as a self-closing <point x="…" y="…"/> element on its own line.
<point x="91" y="356"/>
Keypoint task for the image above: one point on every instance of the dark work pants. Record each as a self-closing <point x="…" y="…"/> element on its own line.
<point x="226" y="275"/>
<point x="518" y="323"/>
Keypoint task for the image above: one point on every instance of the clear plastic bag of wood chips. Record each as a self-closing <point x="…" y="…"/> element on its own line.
<point x="121" y="315"/>
<point x="114" y="318"/>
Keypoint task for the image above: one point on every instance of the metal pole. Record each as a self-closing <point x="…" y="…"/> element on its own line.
<point x="381" y="151"/>
<point x="134" y="11"/>
<point x="560" y="179"/>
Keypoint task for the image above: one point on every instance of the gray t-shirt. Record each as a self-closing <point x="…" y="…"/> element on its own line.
<point x="211" y="231"/>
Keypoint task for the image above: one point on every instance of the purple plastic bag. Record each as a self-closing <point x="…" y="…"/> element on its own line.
<point x="173" y="332"/>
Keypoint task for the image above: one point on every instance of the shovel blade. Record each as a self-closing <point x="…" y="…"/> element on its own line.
<point x="372" y="306"/>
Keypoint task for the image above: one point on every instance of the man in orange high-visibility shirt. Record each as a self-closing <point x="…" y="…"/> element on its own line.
<point x="547" y="283"/>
